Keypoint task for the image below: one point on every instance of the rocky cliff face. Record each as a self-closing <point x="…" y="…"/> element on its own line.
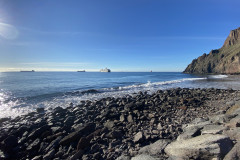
<point x="225" y="60"/>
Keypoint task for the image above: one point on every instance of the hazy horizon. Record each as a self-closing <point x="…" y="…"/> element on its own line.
<point x="125" y="36"/>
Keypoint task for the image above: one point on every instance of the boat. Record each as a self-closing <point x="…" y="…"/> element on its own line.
<point x="81" y="71"/>
<point x="28" y="71"/>
<point x="105" y="70"/>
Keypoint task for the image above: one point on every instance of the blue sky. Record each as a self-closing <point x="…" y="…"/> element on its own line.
<point x="123" y="35"/>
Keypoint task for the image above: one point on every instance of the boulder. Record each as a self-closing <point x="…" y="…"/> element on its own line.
<point x="234" y="153"/>
<point x="213" y="129"/>
<point x="155" y="148"/>
<point x="233" y="133"/>
<point x="88" y="128"/>
<point x="143" y="157"/>
<point x="190" y="132"/>
<point x="123" y="157"/>
<point x="205" y="147"/>
<point x="36" y="133"/>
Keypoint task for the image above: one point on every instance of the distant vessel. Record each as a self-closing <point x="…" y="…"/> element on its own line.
<point x="28" y="71"/>
<point x="81" y="71"/>
<point x="105" y="70"/>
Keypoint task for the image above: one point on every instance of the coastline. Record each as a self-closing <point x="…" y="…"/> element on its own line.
<point x="110" y="127"/>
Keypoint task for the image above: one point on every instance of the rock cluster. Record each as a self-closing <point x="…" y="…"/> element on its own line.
<point x="217" y="137"/>
<point x="138" y="126"/>
<point x="225" y="60"/>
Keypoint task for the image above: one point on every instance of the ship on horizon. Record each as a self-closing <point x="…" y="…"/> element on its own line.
<point x="28" y="71"/>
<point x="105" y="70"/>
<point x="81" y="71"/>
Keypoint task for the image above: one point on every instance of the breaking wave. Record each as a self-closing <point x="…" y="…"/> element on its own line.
<point x="217" y="76"/>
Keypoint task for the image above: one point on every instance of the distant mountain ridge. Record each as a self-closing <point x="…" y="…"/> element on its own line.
<point x="225" y="60"/>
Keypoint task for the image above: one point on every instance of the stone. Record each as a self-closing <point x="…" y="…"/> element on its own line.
<point x="49" y="155"/>
<point x="40" y="110"/>
<point x="34" y="145"/>
<point x="9" y="143"/>
<point x="109" y="124"/>
<point x="213" y="129"/>
<point x="36" y="133"/>
<point x="155" y="148"/>
<point x="233" y="133"/>
<point x="123" y="157"/>
<point x="143" y="157"/>
<point x="138" y="137"/>
<point x="37" y="158"/>
<point x="205" y="147"/>
<point x="4" y="120"/>
<point x="234" y="153"/>
<point x="122" y="118"/>
<point x="83" y="143"/>
<point x="235" y="122"/>
<point x="53" y="144"/>
<point x="130" y="118"/>
<point x="77" y="155"/>
<point x="84" y="130"/>
<point x="190" y="132"/>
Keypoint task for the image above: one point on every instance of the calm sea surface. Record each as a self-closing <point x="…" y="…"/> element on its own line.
<point x="23" y="92"/>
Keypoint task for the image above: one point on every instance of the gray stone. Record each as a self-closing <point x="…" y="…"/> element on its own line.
<point x="205" y="147"/>
<point x="234" y="153"/>
<point x="143" y="157"/>
<point x="235" y="122"/>
<point x="155" y="148"/>
<point x="49" y="155"/>
<point x="33" y="145"/>
<point x="123" y="157"/>
<point x="138" y="137"/>
<point x="37" y="158"/>
<point x="234" y="133"/>
<point x="190" y="132"/>
<point x="122" y="118"/>
<point x="222" y="118"/>
<point x="191" y="126"/>
<point x="109" y="124"/>
<point x="130" y="118"/>
<point x="213" y="129"/>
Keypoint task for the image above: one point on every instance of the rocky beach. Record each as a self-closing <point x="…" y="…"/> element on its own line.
<point x="178" y="123"/>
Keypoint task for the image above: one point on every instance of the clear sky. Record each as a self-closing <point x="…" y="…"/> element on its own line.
<point x="123" y="35"/>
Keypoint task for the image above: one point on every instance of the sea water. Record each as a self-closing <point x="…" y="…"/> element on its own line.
<point x="23" y="92"/>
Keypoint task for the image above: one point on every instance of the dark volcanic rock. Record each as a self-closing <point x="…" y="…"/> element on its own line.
<point x="88" y="128"/>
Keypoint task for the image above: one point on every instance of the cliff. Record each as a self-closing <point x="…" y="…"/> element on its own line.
<point x="225" y="60"/>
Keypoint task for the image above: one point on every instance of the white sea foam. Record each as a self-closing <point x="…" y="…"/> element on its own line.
<point x="14" y="108"/>
<point x="217" y="76"/>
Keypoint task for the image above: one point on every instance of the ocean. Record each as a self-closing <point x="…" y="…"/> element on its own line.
<point x="23" y="92"/>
